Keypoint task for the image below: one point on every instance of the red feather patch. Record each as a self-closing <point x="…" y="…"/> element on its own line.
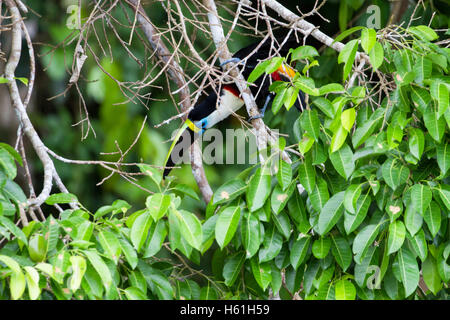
<point x="231" y="89"/>
<point x="275" y="76"/>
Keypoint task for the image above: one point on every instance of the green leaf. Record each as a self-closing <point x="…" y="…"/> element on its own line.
<point x="348" y="55"/>
<point x="232" y="267"/>
<point x="250" y="232"/>
<point x="157" y="205"/>
<point x="331" y="213"/>
<point x="157" y="280"/>
<point x="157" y="235"/>
<point x="363" y="240"/>
<point x="442" y="99"/>
<point x="348" y="119"/>
<point x="368" y="39"/>
<point x="431" y="275"/>
<point x="435" y="125"/>
<point x="305" y="144"/>
<point x="279" y="99"/>
<point x="261" y="272"/>
<point x="422" y="69"/>
<point x="17" y="281"/>
<point x="187" y="190"/>
<point x="346" y="33"/>
<point x="342" y="252"/>
<point x="298" y="251"/>
<point x="364" y="267"/>
<point x="394" y="173"/>
<point x="409" y="271"/>
<point x="134" y="293"/>
<point x="419" y="244"/>
<point x="330" y="88"/>
<point x="280" y="198"/>
<point x="421" y="197"/>
<point x="306" y="85"/>
<point x="420" y="98"/>
<point x="304" y="52"/>
<point x="258" y="190"/>
<point x="362" y="133"/>
<point x="342" y="161"/>
<point x="79" y="267"/>
<point x="53" y="234"/>
<point x="14" y="192"/>
<point x="61" y="198"/>
<point x="274" y="64"/>
<point x="32" y="277"/>
<point x="376" y="56"/>
<point x="137" y="280"/>
<point x="226" y="225"/>
<point x="84" y="231"/>
<point x="208" y="293"/>
<point x="443" y="157"/>
<point x="292" y="96"/>
<point x="139" y="230"/>
<point x="229" y="191"/>
<point x="129" y="253"/>
<point x="351" y="197"/>
<point x="7" y="163"/>
<point x="110" y="245"/>
<point x="16" y="231"/>
<point x="190" y="227"/>
<point x="12" y="152"/>
<point x="325" y="106"/>
<point x="154" y="174"/>
<point x="46" y="268"/>
<point x="258" y="71"/>
<point x="345" y="290"/>
<point x="413" y="220"/>
<point x="432" y="217"/>
<point x="284" y="174"/>
<point x="338" y="139"/>
<point x="445" y="196"/>
<point x="320" y="195"/>
<point x="423" y="32"/>
<point x="101" y="268"/>
<point x="394" y="136"/>
<point x="416" y="142"/>
<point x="321" y="247"/>
<point x="272" y="243"/>
<point x="307" y="175"/>
<point x="310" y="123"/>
<point x="397" y="233"/>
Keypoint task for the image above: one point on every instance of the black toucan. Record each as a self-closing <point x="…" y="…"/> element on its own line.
<point x="209" y="112"/>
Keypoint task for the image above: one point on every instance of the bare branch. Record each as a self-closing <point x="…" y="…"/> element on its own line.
<point x="176" y="74"/>
<point x="28" y="129"/>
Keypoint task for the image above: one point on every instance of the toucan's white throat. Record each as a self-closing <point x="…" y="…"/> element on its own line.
<point x="228" y="104"/>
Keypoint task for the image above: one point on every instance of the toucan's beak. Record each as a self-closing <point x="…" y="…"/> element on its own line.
<point x="286" y="70"/>
<point x="175" y="140"/>
<point x="187" y="124"/>
<point x="192" y="126"/>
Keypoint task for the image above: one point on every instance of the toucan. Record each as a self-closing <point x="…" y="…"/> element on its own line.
<point x="209" y="112"/>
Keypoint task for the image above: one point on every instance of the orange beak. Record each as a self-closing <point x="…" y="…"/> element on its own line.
<point x="286" y="70"/>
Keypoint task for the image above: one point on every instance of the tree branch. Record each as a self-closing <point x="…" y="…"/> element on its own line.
<point x="176" y="74"/>
<point x="28" y="129"/>
<point x="309" y="29"/>
<point x="262" y="135"/>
